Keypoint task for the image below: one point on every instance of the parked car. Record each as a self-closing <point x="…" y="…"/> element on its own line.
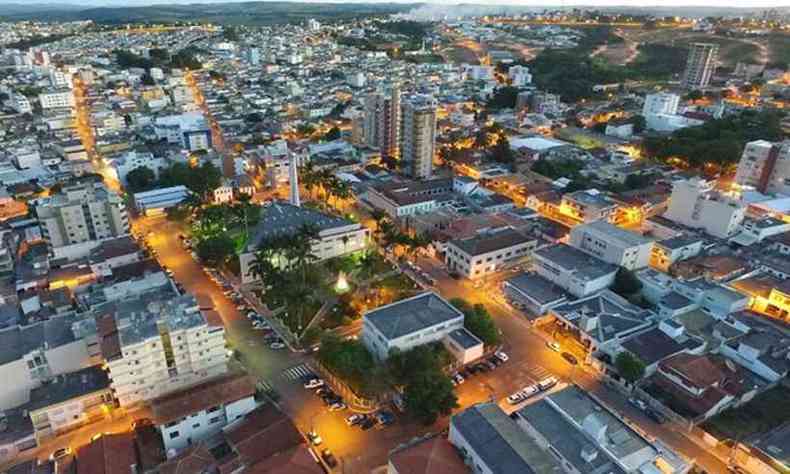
<point x="638" y="403"/>
<point x="516" y="398"/>
<point x="324" y="390"/>
<point x="355" y="419"/>
<point x="502" y="356"/>
<point x="554" y="345"/>
<point x="314" y="438"/>
<point x="495" y="360"/>
<point x="337" y="406"/>
<point x="385" y="418"/>
<point x="547" y="383"/>
<point x="490" y="365"/>
<point x="570" y="358"/>
<point x="314" y="383"/>
<point x="655" y="415"/>
<point x="59" y="453"/>
<point x="329" y="458"/>
<point x="368" y="423"/>
<point x="141" y="422"/>
<point x="277" y="346"/>
<point x="458" y="379"/>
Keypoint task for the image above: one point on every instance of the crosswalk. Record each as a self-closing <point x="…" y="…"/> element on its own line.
<point x="297" y="372"/>
<point x="264" y="385"/>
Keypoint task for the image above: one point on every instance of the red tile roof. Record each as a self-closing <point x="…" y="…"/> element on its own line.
<point x="264" y="432"/>
<point x="296" y="460"/>
<point x="194" y="460"/>
<point x="219" y="390"/>
<point x="110" y="454"/>
<point x="431" y="456"/>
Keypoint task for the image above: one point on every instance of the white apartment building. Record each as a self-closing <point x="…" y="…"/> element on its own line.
<point x="588" y="206"/>
<point x="190" y="130"/>
<point x="20" y="104"/>
<point x="57" y="99"/>
<point x="60" y="79"/>
<point x="612" y="244"/>
<point x="519" y="76"/>
<point x="409" y="323"/>
<point x="336" y="236"/>
<point x="695" y="204"/>
<point x="660" y="103"/>
<point x="80" y="214"/>
<point x="701" y="64"/>
<point x="401" y="200"/>
<point x="25" y="158"/>
<point x="573" y="270"/>
<point x="192" y="415"/>
<point x="158" y="343"/>
<point x="487" y="252"/>
<point x="419" y="136"/>
<point x="765" y="166"/>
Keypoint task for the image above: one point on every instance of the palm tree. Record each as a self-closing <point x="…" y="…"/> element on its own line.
<point x="308" y="177"/>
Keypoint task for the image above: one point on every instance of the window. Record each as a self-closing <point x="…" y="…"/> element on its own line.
<point x="215" y="419"/>
<point x="195" y="426"/>
<point x="174" y="435"/>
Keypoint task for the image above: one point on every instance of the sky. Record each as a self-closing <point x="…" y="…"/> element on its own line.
<point x="567" y="3"/>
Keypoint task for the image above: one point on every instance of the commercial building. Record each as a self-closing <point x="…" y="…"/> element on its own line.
<point x="189" y="130"/>
<point x="487" y="252"/>
<point x="674" y="249"/>
<point x="402" y="200"/>
<point x="660" y="103"/>
<point x="156" y="343"/>
<point x="700" y="65"/>
<point x="194" y="414"/>
<point x="409" y="323"/>
<point x="383" y="121"/>
<point x="157" y="201"/>
<point x="612" y="244"/>
<point x="57" y="99"/>
<point x="584" y="436"/>
<point x="573" y="270"/>
<point x="493" y="443"/>
<point x="765" y="166"/>
<point x="81" y="214"/>
<point x="519" y="76"/>
<point x="534" y="293"/>
<point x="419" y="136"/>
<point x="588" y="206"/>
<point x="695" y="204"/>
<point x="336" y="235"/>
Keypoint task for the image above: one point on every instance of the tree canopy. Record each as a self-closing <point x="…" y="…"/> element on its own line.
<point x="140" y="179"/>
<point x="201" y="180"/>
<point x="629" y="366"/>
<point x="427" y="390"/>
<point x="478" y="321"/>
<point x="626" y="283"/>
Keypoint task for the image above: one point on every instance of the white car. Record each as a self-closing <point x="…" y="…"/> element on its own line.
<point x="516" y="398"/>
<point x="314" y="438"/>
<point x="553" y="345"/>
<point x="59" y="453"/>
<point x="529" y="390"/>
<point x="502" y="356"/>
<point x="355" y="419"/>
<point x="314" y="383"/>
<point x="337" y="406"/>
<point x="277" y="346"/>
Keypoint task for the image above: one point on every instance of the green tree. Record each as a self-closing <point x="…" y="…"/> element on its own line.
<point x="629" y="366"/>
<point x="696" y="94"/>
<point x="215" y="250"/>
<point x="428" y="396"/>
<point x="140" y="179"/>
<point x="626" y="283"/>
<point x="478" y="321"/>
<point x="501" y="152"/>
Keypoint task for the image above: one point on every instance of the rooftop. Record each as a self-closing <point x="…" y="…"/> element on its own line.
<point x="574" y="260"/>
<point x="538" y="288"/>
<point x="17" y="341"/>
<point x="412" y="315"/>
<point x="487" y="242"/>
<point x="775" y="443"/>
<point x="433" y="455"/>
<point x="614" y="233"/>
<point x="613" y="316"/>
<point x="67" y="387"/>
<point x="465" y="339"/>
<point x="225" y="388"/>
<point x="500" y="443"/>
<point x="284" y="219"/>
<point x="654" y="345"/>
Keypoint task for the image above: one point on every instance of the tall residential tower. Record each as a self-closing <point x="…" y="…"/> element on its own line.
<point x="419" y="136"/>
<point x="382" y="121"/>
<point x="700" y="65"/>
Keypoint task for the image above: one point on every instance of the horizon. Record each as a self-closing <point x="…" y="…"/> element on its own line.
<point x="743" y="4"/>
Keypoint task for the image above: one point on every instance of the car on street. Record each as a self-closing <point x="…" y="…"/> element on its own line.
<point x="458" y="379"/>
<point x="570" y="358"/>
<point x="315" y="440"/>
<point x="314" y="383"/>
<point x="355" y="419"/>
<point x="385" y="418"/>
<point x="516" y="398"/>
<point x="367" y="424"/>
<point x="323" y="391"/>
<point x="640" y="404"/>
<point x="655" y="415"/>
<point x="337" y="406"/>
<point x="502" y="356"/>
<point x="554" y="345"/>
<point x="489" y="364"/>
<point x="59" y="453"/>
<point x="277" y="346"/>
<point x="141" y="422"/>
<point x="547" y="383"/>
<point x="329" y="458"/>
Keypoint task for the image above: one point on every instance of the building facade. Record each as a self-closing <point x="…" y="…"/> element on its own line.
<point x="383" y="121"/>
<point x="419" y="136"/>
<point x="612" y="244"/>
<point x="700" y="65"/>
<point x="765" y="166"/>
<point x="695" y="204"/>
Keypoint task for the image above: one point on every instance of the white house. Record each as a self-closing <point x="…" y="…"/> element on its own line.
<point x="573" y="270"/>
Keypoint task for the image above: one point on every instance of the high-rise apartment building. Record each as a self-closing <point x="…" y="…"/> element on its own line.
<point x="383" y="120"/>
<point x="765" y="166"/>
<point x="419" y="136"/>
<point x="82" y="213"/>
<point x="695" y="203"/>
<point x="157" y="343"/>
<point x="700" y="65"/>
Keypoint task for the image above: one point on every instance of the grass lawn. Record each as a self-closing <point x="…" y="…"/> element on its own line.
<point x="762" y="414"/>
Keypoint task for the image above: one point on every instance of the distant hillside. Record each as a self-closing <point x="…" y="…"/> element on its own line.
<point x="251" y="13"/>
